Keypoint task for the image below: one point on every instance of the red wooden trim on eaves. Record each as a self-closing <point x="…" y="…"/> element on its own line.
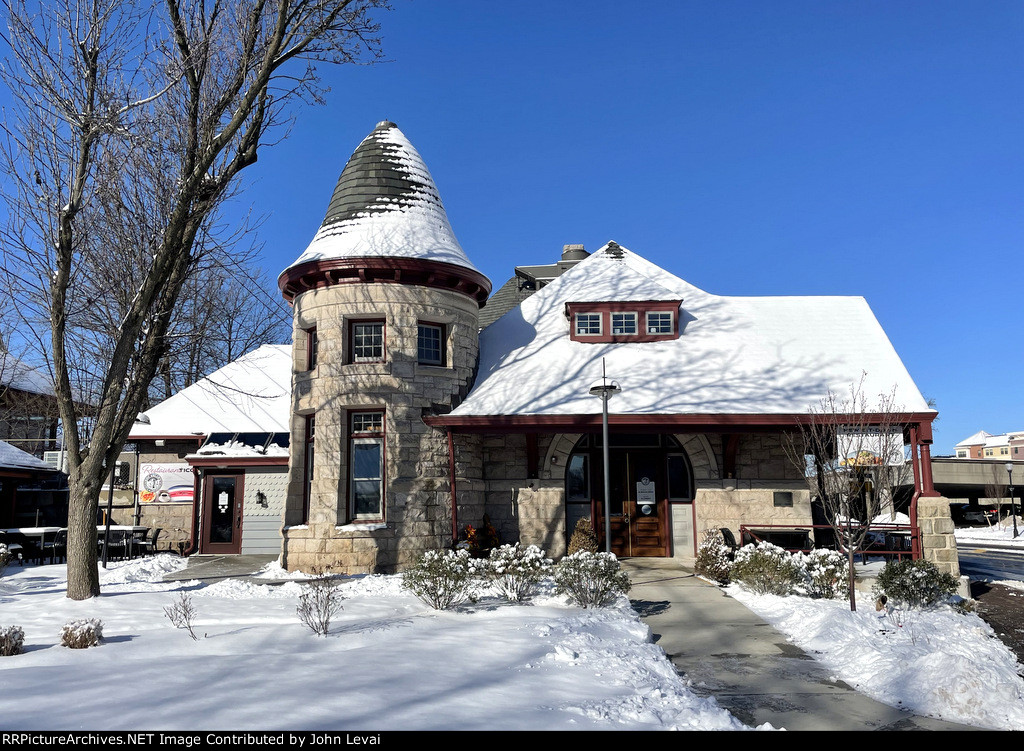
<point x="328" y="272"/>
<point x="585" y="423"/>
<point x="237" y="461"/>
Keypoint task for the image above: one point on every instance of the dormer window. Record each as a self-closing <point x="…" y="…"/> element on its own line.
<point x="623" y="321"/>
<point x="660" y="322"/>
<point x="588" y="324"/>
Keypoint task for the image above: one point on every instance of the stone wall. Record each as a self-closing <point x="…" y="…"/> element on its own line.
<point x="417" y="505"/>
<point x="938" y="544"/>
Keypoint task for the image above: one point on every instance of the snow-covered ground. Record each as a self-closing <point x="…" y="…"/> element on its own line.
<point x="389" y="662"/>
<point x="1001" y="534"/>
<point x="933" y="662"/>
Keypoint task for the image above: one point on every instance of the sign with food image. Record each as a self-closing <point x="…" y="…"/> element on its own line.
<point x="166" y="483"/>
<point x="869" y="447"/>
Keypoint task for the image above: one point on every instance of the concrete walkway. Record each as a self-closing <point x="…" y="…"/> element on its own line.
<point x="731" y="654"/>
<point x="215" y="568"/>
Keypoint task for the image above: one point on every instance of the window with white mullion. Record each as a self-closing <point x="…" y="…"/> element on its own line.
<point x="623" y="323"/>
<point x="588" y="324"/>
<point x="659" y="322"/>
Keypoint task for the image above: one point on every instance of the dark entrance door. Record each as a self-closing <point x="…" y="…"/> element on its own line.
<point x="638" y="510"/>
<point x="222" y="514"/>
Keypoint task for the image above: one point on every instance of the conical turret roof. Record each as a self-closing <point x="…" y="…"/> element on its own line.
<point x="385" y="206"/>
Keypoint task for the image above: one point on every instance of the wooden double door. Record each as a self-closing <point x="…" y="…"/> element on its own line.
<point x="638" y="510"/>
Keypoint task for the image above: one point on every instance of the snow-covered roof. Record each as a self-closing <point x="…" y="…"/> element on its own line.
<point x="975" y="440"/>
<point x="735" y="355"/>
<point x="989" y="440"/>
<point x="12" y="457"/>
<point x="250" y="395"/>
<point x="15" y="374"/>
<point x="386" y="205"/>
<point x="239" y="449"/>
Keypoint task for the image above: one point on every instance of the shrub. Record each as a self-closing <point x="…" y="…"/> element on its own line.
<point x="5" y="557"/>
<point x="81" y="634"/>
<point x="319" y="602"/>
<point x="515" y="570"/>
<point x="583" y="537"/>
<point x="766" y="569"/>
<point x="590" y="579"/>
<point x="713" y="557"/>
<point x="914" y="584"/>
<point x="12" y="641"/>
<point x="828" y="573"/>
<point x="442" y="578"/>
<point x="481" y="540"/>
<point x="182" y="613"/>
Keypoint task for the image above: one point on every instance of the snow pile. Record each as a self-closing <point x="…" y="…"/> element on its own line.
<point x="933" y="662"/>
<point x="148" y="570"/>
<point x="389" y="662"/>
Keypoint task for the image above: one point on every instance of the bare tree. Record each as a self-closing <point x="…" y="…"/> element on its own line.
<point x="227" y="308"/>
<point x="130" y="126"/>
<point x="851" y="450"/>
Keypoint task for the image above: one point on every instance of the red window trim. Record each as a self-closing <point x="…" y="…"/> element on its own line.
<point x="353" y="436"/>
<point x="308" y="466"/>
<point x="312" y="347"/>
<point x="605" y="309"/>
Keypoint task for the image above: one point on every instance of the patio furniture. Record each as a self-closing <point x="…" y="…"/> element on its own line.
<point x="55" y="548"/>
<point x="146" y="546"/>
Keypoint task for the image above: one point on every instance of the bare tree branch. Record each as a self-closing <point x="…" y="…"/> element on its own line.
<point x="130" y="126"/>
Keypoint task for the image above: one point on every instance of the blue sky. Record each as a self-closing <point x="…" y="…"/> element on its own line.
<point x="751" y="148"/>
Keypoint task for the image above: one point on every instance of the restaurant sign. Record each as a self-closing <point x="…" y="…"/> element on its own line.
<point x="166" y="483"/>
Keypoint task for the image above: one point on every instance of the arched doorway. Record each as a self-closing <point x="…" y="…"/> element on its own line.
<point x="647" y="473"/>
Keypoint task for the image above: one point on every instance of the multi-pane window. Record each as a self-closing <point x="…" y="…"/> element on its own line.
<point x="430" y="344"/>
<point x="659" y="323"/>
<point x="367" y="341"/>
<point x="588" y="324"/>
<point x="366" y="468"/>
<point x="623" y="323"/>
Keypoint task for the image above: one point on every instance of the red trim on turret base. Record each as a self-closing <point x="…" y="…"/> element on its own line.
<point x="362" y="270"/>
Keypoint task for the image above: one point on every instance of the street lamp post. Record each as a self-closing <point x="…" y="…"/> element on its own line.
<point x="1013" y="503"/>
<point x="604" y="389"/>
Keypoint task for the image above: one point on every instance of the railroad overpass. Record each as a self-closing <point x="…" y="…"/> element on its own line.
<point x="974" y="480"/>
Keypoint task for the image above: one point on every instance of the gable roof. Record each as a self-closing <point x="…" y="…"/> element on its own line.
<point x="735" y="355"/>
<point x="385" y="205"/>
<point x="16" y="374"/>
<point x="250" y="395"/>
<point x="12" y="457"/>
<point x="975" y="440"/>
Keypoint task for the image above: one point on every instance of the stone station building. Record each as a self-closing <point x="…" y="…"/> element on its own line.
<point x="407" y="422"/>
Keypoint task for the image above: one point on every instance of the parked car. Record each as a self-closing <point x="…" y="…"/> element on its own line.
<point x="964" y="513"/>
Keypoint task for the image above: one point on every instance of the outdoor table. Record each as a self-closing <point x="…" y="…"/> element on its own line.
<point x="35" y="533"/>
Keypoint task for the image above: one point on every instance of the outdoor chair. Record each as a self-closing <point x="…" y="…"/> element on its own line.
<point x="148" y="546"/>
<point x="57" y="548"/>
<point x="118" y="545"/>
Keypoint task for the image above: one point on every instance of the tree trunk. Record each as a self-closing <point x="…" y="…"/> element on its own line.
<point x="83" y="574"/>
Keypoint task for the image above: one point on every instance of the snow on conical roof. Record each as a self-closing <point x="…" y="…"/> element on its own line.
<point x="386" y="205"/>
